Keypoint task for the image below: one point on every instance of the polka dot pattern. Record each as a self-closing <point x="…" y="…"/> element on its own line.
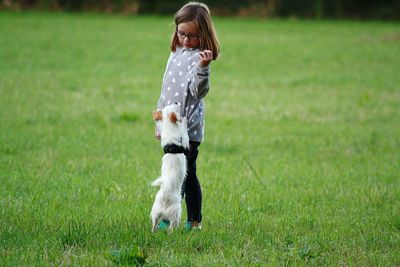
<point x="180" y="74"/>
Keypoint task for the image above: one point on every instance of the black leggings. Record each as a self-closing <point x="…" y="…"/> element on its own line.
<point x="191" y="189"/>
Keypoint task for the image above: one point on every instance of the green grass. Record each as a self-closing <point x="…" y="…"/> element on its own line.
<point x="300" y="163"/>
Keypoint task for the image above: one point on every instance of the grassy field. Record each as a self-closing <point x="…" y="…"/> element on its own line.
<point x="300" y="164"/>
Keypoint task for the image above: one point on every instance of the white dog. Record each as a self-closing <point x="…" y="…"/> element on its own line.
<point x="174" y="141"/>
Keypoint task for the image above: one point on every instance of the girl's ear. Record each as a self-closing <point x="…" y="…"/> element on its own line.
<point x="157" y="115"/>
<point x="172" y="117"/>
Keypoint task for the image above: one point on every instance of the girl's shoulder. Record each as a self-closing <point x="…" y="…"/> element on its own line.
<point x="187" y="54"/>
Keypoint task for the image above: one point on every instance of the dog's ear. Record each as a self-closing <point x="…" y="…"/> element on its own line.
<point x="173" y="117"/>
<point x="157" y="115"/>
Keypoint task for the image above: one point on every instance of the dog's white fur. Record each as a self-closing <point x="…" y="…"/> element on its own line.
<point x="167" y="204"/>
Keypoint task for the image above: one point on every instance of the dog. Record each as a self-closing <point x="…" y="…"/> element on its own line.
<point x="175" y="143"/>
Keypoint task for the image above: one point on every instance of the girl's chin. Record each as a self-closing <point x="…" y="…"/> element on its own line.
<point x="188" y="46"/>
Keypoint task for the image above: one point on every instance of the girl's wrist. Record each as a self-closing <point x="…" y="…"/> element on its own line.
<point x="204" y="65"/>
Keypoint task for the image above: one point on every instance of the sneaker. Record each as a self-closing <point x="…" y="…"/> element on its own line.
<point x="193" y="226"/>
<point x="188" y="226"/>
<point x="196" y="226"/>
<point x="163" y="225"/>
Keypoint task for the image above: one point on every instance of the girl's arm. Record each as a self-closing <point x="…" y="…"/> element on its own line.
<point x="199" y="84"/>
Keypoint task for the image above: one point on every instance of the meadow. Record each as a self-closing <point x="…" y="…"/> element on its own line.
<point x="299" y="166"/>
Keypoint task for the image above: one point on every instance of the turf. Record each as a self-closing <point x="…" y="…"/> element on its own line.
<point x="300" y="163"/>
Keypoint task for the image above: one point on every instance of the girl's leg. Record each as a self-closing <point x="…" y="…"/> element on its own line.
<point x="191" y="187"/>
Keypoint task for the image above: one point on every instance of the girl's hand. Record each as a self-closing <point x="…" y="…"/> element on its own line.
<point x="205" y="58"/>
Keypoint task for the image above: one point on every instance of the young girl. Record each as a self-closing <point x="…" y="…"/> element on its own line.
<point x="186" y="82"/>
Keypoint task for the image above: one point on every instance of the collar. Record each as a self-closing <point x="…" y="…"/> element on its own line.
<point x="174" y="149"/>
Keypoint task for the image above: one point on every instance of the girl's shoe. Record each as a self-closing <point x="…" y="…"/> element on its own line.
<point x="193" y="226"/>
<point x="188" y="226"/>
<point x="163" y="225"/>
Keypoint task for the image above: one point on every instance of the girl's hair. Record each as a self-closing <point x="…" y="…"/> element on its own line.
<point x="200" y="15"/>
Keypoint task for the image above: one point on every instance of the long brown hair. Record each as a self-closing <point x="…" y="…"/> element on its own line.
<point x="200" y="15"/>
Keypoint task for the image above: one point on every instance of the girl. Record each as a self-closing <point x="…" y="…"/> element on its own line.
<point x="186" y="82"/>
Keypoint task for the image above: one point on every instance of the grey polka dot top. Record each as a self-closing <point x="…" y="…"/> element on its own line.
<point x="187" y="84"/>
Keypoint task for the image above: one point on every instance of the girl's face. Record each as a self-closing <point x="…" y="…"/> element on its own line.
<point x="188" y="34"/>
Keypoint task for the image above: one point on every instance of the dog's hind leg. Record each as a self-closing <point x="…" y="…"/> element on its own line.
<point x="175" y="220"/>
<point x="172" y="224"/>
<point x="156" y="220"/>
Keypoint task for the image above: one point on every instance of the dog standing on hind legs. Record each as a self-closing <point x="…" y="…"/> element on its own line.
<point x="175" y="142"/>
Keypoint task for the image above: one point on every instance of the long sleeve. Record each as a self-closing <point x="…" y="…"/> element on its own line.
<point x="160" y="100"/>
<point x="199" y="84"/>
<point x="159" y="107"/>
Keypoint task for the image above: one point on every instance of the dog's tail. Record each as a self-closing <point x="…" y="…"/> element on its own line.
<point x="157" y="182"/>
